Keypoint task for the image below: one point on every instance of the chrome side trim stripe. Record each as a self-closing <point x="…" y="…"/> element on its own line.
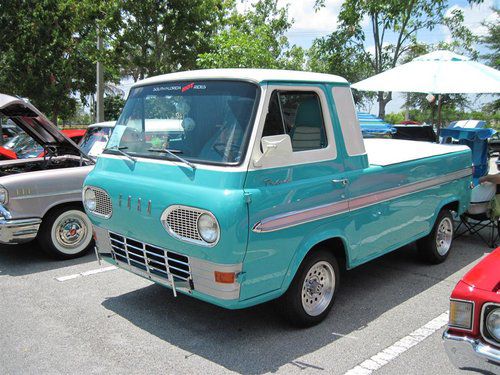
<point x="293" y="218"/>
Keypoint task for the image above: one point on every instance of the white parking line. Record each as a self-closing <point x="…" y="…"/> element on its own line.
<point x="392" y="352"/>
<point x="86" y="273"/>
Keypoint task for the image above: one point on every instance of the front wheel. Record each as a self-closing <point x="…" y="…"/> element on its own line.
<point x="312" y="292"/>
<point x="435" y="247"/>
<point x="66" y="233"/>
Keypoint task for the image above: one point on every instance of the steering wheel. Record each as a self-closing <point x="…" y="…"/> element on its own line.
<point x="221" y="148"/>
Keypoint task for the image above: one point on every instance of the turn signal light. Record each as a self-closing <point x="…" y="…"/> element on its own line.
<point x="224" y="277"/>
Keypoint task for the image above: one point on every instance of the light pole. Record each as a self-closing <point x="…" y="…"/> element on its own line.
<point x="100" y="84"/>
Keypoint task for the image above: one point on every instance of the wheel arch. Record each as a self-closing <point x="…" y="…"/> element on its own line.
<point x="56" y="205"/>
<point x="334" y="241"/>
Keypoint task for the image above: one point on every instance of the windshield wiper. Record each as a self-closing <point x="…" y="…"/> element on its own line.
<point x="121" y="152"/>
<point x="173" y="153"/>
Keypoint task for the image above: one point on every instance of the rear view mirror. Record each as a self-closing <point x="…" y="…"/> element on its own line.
<point x="274" y="147"/>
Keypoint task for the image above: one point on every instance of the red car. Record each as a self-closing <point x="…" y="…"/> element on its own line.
<point x="472" y="339"/>
<point x="23" y="146"/>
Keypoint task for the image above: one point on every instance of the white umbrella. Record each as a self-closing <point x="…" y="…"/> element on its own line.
<point x="438" y="72"/>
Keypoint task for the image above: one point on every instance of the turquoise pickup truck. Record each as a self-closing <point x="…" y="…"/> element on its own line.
<point x="240" y="186"/>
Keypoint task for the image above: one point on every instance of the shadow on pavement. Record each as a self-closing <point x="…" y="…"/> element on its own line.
<point x="25" y="259"/>
<point x="257" y="340"/>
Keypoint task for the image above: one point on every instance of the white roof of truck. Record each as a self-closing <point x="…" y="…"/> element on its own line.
<point x="393" y="151"/>
<point x="254" y="75"/>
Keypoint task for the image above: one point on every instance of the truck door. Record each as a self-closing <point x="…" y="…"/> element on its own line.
<point x="288" y="197"/>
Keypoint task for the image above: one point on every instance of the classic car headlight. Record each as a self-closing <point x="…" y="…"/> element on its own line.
<point x="89" y="199"/>
<point x="208" y="228"/>
<point x="493" y="323"/>
<point x="461" y="314"/>
<point x="4" y="195"/>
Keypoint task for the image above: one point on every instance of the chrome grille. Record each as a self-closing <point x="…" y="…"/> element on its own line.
<point x="183" y="222"/>
<point x="149" y="258"/>
<point x="103" y="202"/>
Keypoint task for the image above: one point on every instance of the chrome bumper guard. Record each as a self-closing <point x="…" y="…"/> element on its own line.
<point x="466" y="352"/>
<point x="18" y="231"/>
<point x="172" y="269"/>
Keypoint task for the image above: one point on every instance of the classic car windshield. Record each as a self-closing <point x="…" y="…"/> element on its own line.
<point x="202" y="121"/>
<point x="95" y="139"/>
<point x="24" y="146"/>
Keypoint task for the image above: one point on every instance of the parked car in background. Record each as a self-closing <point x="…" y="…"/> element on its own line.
<point x="41" y="197"/>
<point x="23" y="146"/>
<point x="96" y="137"/>
<point x="472" y="340"/>
<point x="9" y="131"/>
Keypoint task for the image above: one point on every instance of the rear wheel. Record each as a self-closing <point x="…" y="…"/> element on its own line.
<point x="312" y="292"/>
<point x="435" y="247"/>
<point x="66" y="233"/>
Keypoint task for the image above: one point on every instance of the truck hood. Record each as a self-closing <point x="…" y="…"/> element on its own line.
<point x="485" y="274"/>
<point x="33" y="122"/>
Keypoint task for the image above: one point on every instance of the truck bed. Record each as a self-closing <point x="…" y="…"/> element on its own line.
<point x="384" y="152"/>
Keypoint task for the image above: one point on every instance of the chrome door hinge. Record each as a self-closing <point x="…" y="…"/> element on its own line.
<point x="248" y="197"/>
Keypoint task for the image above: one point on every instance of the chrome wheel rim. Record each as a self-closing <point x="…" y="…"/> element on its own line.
<point x="318" y="288"/>
<point x="444" y="236"/>
<point x="70" y="232"/>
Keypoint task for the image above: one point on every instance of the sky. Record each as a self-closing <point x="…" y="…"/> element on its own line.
<point x="309" y="25"/>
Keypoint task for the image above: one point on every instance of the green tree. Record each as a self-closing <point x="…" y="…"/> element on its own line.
<point x="113" y="105"/>
<point x="48" y="51"/>
<point x="255" y="39"/>
<point x="162" y="36"/>
<point x="492" y="42"/>
<point x="338" y="54"/>
<point x="394" y="26"/>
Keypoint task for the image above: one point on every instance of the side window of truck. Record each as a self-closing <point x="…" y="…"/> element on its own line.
<point x="298" y="114"/>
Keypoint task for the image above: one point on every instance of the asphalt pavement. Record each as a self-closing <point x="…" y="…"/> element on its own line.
<point x="115" y="322"/>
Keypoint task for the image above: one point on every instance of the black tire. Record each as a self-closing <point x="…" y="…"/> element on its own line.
<point x="291" y="303"/>
<point x="72" y="221"/>
<point x="428" y="246"/>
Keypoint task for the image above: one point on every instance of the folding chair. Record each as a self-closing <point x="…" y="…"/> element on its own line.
<point x="480" y="225"/>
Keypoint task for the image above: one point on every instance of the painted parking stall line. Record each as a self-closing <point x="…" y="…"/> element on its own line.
<point x="86" y="273"/>
<point x="395" y="350"/>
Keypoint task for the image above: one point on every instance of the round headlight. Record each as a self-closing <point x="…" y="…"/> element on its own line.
<point x="493" y="323"/>
<point x="89" y="199"/>
<point x="208" y="228"/>
<point x="4" y="195"/>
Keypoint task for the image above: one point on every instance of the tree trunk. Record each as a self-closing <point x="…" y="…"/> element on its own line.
<point x="382" y="102"/>
<point x="54" y="116"/>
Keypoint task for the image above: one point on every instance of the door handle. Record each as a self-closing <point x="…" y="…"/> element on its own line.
<point x="342" y="181"/>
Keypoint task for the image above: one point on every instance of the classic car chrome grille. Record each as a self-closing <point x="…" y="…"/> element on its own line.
<point x="149" y="258"/>
<point x="183" y="222"/>
<point x="103" y="202"/>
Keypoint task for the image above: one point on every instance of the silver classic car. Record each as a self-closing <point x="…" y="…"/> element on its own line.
<point x="41" y="198"/>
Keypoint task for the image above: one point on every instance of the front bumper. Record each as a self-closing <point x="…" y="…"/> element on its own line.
<point x="18" y="231"/>
<point x="200" y="283"/>
<point x="466" y="352"/>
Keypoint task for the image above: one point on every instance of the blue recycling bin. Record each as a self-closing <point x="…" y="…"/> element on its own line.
<point x="477" y="140"/>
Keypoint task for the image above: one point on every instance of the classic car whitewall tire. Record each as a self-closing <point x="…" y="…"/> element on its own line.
<point x="311" y="294"/>
<point x="66" y="233"/>
<point x="435" y="247"/>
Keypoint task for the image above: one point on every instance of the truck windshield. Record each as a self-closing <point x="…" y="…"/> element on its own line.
<point x="202" y="121"/>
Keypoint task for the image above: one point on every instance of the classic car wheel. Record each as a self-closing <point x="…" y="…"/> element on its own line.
<point x="435" y="247"/>
<point x="66" y="233"/>
<point x="311" y="294"/>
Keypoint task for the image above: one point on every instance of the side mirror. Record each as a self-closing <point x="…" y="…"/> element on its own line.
<point x="277" y="147"/>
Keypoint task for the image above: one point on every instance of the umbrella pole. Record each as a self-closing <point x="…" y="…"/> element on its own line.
<point x="440" y="105"/>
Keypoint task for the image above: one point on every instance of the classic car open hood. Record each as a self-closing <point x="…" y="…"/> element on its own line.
<point x="485" y="275"/>
<point x="33" y="122"/>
